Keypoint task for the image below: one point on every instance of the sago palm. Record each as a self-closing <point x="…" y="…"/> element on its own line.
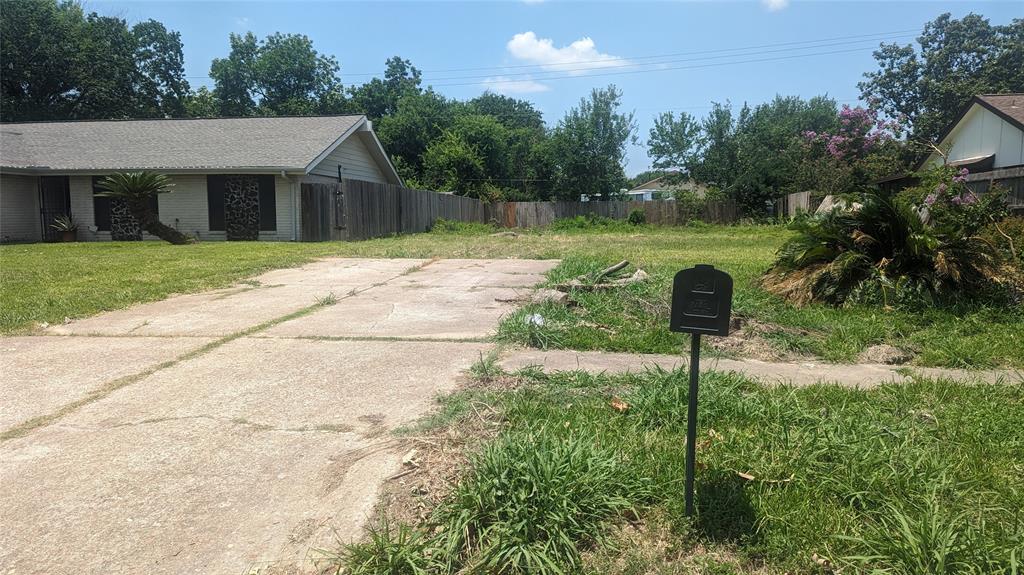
<point x="136" y="190"/>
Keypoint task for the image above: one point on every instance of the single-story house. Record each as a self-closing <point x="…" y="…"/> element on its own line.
<point x="662" y="188"/>
<point x="987" y="138"/>
<point x="234" y="178"/>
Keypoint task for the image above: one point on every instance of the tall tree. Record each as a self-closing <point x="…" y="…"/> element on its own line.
<point x="511" y="112"/>
<point x="589" y="146"/>
<point x="420" y="119"/>
<point x="955" y="59"/>
<point x="378" y="98"/>
<point x="673" y="143"/>
<point x="280" y="75"/>
<point x="163" y="89"/>
<point x="60" y="63"/>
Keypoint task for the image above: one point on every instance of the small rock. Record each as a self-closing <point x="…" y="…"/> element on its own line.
<point x="884" y="353"/>
<point x="535" y="319"/>
<point x="505" y="235"/>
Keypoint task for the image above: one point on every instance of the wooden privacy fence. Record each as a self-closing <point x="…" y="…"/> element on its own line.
<point x="358" y="210"/>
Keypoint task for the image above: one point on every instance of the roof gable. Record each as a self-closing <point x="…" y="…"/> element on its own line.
<point x="267" y="143"/>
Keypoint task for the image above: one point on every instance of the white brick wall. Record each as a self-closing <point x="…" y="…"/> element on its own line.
<point x="19" y="208"/>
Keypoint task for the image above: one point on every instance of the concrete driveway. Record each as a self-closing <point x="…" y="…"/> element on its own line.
<point x="234" y="430"/>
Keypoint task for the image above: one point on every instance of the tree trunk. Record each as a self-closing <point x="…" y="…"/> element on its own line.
<point x="150" y="223"/>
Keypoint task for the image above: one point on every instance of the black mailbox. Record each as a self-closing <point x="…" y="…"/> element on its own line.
<point x="701" y="301"/>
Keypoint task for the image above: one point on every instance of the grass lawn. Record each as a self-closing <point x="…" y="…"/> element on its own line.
<point x="48" y="282"/>
<point x="585" y="475"/>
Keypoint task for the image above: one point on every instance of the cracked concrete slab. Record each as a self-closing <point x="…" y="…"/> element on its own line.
<point x="252" y="453"/>
<point x="363" y="386"/>
<point x="217" y="313"/>
<point x="40" y="374"/>
<point x="859" y="375"/>
<point x="411" y="312"/>
<point x="339" y="273"/>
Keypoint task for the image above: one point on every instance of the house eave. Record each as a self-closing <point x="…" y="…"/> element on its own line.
<point x="46" y="171"/>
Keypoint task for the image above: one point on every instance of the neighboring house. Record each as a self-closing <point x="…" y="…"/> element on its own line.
<point x="988" y="139"/>
<point x="660" y="188"/>
<point x="234" y="178"/>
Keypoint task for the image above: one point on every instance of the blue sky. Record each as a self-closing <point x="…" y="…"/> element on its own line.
<point x="677" y="56"/>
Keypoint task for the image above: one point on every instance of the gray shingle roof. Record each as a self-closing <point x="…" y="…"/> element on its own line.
<point x="195" y="144"/>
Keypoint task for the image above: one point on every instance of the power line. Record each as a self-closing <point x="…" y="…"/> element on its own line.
<point x="878" y="36"/>
<point x="884" y="36"/>
<point x="627" y="64"/>
<point x="697" y="66"/>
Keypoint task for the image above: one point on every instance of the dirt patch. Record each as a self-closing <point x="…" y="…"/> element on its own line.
<point x="748" y="339"/>
<point x="885" y="354"/>
<point x="649" y="546"/>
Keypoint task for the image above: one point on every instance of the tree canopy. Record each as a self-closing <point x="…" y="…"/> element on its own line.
<point x="926" y="87"/>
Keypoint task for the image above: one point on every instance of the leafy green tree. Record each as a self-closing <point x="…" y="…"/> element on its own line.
<point x="137" y="190"/>
<point x="718" y="163"/>
<point x="451" y="164"/>
<point x="163" y="89"/>
<point x="589" y="146"/>
<point x="60" y="63"/>
<point x="673" y="142"/>
<point x="511" y="112"/>
<point x="378" y="98"/>
<point x="419" y="120"/>
<point x="955" y="59"/>
<point x="201" y="104"/>
<point x="280" y="75"/>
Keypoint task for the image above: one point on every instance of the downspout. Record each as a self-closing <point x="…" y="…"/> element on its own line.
<point x="295" y="207"/>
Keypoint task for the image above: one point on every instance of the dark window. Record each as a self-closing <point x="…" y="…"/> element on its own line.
<point x="215" y="201"/>
<point x="101" y="206"/>
<point x="268" y="204"/>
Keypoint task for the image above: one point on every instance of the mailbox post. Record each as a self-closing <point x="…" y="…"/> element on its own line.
<point x="701" y="304"/>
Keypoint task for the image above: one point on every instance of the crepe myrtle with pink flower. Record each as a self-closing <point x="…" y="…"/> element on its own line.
<point x="861" y="131"/>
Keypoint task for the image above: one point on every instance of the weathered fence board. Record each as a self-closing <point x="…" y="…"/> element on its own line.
<point x="358" y="210"/>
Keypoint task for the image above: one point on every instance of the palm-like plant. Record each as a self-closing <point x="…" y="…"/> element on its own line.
<point x="137" y="189"/>
<point x="883" y="245"/>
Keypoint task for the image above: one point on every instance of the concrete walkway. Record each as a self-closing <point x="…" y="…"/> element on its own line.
<point x="237" y="429"/>
<point x="857" y="375"/>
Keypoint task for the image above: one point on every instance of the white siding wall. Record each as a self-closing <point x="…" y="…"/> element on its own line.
<point x="19" y="208"/>
<point x="81" y="207"/>
<point x="355" y="161"/>
<point x="184" y="209"/>
<point x="981" y="133"/>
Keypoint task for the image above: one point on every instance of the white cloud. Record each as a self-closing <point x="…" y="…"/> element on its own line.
<point x="576" y="58"/>
<point x="775" y="5"/>
<point x="506" y="85"/>
<point x="242" y="22"/>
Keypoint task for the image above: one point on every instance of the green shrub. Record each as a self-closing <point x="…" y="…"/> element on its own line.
<point x="690" y="206"/>
<point x="637" y="218"/>
<point x="588" y="222"/>
<point x="453" y="227"/>
<point x="894" y="252"/>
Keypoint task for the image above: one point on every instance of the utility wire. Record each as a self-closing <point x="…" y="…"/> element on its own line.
<point x="693" y="67"/>
<point x="628" y="64"/>
<point x="884" y="35"/>
<point x="878" y="36"/>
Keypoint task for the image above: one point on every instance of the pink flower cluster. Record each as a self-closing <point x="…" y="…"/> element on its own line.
<point x="860" y="131"/>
